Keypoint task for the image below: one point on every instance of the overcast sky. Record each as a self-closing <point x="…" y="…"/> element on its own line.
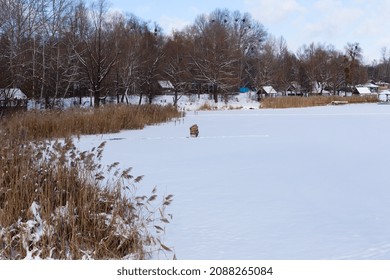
<point x="335" y="22"/>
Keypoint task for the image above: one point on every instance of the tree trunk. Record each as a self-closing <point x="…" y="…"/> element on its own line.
<point x="96" y="101"/>
<point x="175" y="99"/>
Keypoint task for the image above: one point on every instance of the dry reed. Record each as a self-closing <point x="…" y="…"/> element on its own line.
<point x="55" y="202"/>
<point x="296" y="101"/>
<point x="206" y="107"/>
<point x="38" y="124"/>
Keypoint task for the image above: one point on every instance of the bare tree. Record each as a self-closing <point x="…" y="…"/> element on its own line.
<point x="315" y="62"/>
<point x="54" y="51"/>
<point x="353" y="70"/>
<point x="176" y="63"/>
<point x="336" y="70"/>
<point x="248" y="35"/>
<point x="261" y="70"/>
<point x="52" y="48"/>
<point x="129" y="31"/>
<point x="151" y="56"/>
<point x="213" y="57"/>
<point x="286" y="63"/>
<point x="95" y="57"/>
<point x="382" y="69"/>
<point x="19" y="21"/>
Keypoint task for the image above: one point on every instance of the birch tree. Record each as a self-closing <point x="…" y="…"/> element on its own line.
<point x="55" y="67"/>
<point x="19" y="21"/>
<point x="129" y="30"/>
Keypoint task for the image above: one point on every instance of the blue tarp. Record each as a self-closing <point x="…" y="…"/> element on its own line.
<point x="244" y="89"/>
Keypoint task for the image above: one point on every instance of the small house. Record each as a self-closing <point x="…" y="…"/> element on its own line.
<point x="372" y="87"/>
<point x="166" y="87"/>
<point x="266" y="91"/>
<point x="269" y="90"/>
<point x="12" y="97"/>
<point x="294" y="89"/>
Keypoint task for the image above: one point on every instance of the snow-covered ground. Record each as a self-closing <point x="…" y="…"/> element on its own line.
<point x="309" y="183"/>
<point x="192" y="102"/>
<point x="247" y="100"/>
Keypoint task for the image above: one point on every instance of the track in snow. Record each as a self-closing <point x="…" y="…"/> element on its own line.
<point x="188" y="137"/>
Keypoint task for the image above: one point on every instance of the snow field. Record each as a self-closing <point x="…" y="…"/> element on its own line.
<point x="309" y="183"/>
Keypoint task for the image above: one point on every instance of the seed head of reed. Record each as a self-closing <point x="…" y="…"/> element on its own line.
<point x="56" y="203"/>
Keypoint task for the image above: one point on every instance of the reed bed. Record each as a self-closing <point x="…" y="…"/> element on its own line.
<point x="57" y="202"/>
<point x="296" y="101"/>
<point x="206" y="107"/>
<point x="39" y="124"/>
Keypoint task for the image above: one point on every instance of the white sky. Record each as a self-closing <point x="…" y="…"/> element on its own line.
<point x="335" y="22"/>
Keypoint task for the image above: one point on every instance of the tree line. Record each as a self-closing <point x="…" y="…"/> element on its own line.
<point x="60" y="48"/>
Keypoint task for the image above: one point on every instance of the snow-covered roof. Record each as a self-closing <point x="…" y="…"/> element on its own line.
<point x="11" y="93"/>
<point x="269" y="90"/>
<point x="165" y="84"/>
<point x="363" y="90"/>
<point x="370" y="85"/>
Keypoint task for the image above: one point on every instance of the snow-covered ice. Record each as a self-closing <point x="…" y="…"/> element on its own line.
<point x="308" y="183"/>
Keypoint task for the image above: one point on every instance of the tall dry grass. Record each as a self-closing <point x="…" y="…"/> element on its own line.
<point x="207" y="107"/>
<point x="38" y="124"/>
<point x="296" y="101"/>
<point x="55" y="200"/>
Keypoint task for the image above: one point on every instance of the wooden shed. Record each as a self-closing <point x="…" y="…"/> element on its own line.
<point x="12" y="99"/>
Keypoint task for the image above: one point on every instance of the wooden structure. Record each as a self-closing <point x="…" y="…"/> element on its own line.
<point x="166" y="87"/>
<point x="11" y="100"/>
<point x="266" y="91"/>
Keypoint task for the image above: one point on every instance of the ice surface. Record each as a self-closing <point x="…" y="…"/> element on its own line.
<point x="309" y="183"/>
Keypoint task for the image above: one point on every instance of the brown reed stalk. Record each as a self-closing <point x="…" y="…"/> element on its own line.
<point x="51" y="124"/>
<point x="55" y="202"/>
<point x="296" y="101"/>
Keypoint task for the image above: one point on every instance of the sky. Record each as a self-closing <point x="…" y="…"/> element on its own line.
<point x="300" y="22"/>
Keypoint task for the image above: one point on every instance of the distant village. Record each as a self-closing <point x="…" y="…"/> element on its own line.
<point x="67" y="54"/>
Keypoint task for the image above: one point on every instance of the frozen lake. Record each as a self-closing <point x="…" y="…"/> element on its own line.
<point x="310" y="183"/>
